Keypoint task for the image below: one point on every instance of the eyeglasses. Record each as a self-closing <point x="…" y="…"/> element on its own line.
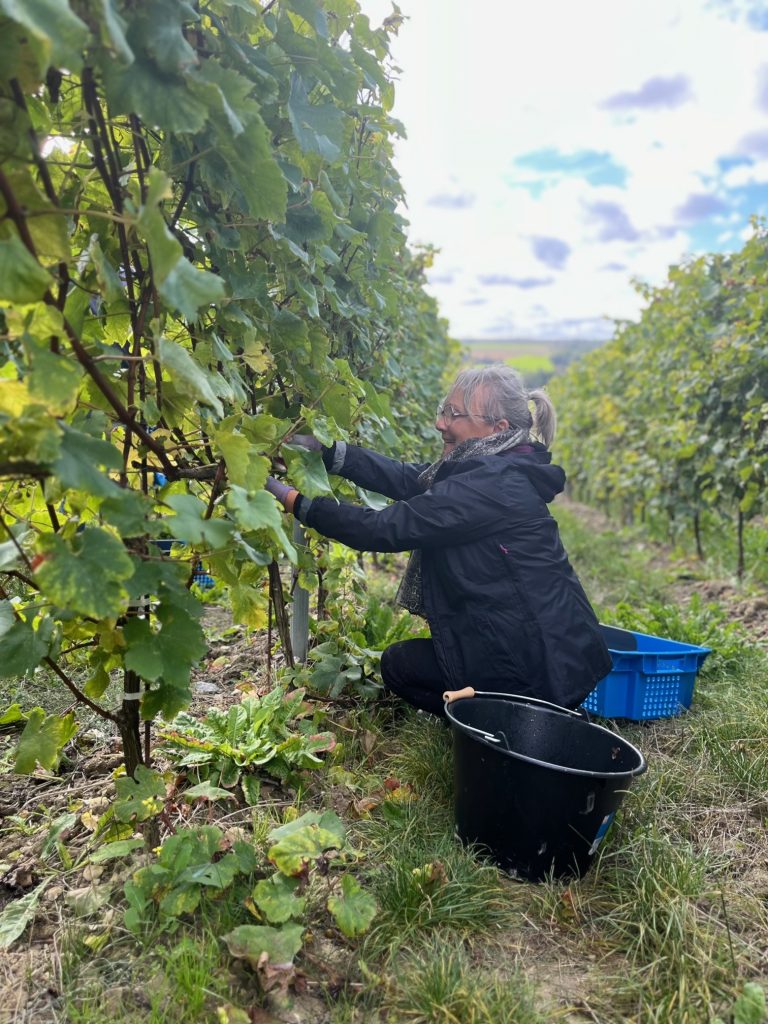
<point x="449" y="412"/>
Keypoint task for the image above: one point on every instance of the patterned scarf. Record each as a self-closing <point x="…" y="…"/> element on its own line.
<point x="409" y="593"/>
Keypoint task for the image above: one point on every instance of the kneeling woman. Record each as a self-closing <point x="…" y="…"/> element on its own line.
<point x="488" y="571"/>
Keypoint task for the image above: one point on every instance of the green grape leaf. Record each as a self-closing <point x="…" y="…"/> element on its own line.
<point x="160" y="100"/>
<point x="7" y="618"/>
<point x="140" y="797"/>
<point x="47" y="228"/>
<point x="231" y="90"/>
<point x="188" y="376"/>
<point x="318" y="127"/>
<point x="246" y="465"/>
<point x="260" y="512"/>
<point x="183" y="286"/>
<point x="292" y="336"/>
<point x="158" y="30"/>
<point x="312" y="14"/>
<point x="354" y="909"/>
<point x="188" y="524"/>
<point x="322" y="427"/>
<point x="113" y="33"/>
<point x="308" y="294"/>
<point x="263" y="429"/>
<point x="251" y="162"/>
<point x="187" y="288"/>
<point x="129" y="512"/>
<point x="63" y="34"/>
<point x="22" y="279"/>
<point x="166" y="579"/>
<point x="55" y="381"/>
<point x="80" y="456"/>
<point x="42" y="741"/>
<point x="22" y="647"/>
<point x="339" y="403"/>
<point x="252" y="942"/>
<point x="306" y="470"/>
<point x="86" y="574"/>
<point x="22" y="56"/>
<point x="276" y="898"/>
<point x="168" y="652"/>
<point x="144" y="654"/>
<point x="97" y="684"/>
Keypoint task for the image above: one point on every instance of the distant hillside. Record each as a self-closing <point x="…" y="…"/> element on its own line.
<point x="536" y="359"/>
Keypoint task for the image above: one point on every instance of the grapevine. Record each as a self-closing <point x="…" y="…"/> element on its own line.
<point x="201" y="251"/>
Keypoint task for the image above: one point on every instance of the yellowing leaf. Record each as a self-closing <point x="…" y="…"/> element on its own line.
<point x="86" y="574"/>
<point x="14" y="396"/>
<point x="22" y="279"/>
<point x="252" y="942"/>
<point x="295" y="852"/>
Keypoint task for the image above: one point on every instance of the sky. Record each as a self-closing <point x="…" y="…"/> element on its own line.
<point x="558" y="150"/>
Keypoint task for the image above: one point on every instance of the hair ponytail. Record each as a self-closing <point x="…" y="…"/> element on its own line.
<point x="544" y="415"/>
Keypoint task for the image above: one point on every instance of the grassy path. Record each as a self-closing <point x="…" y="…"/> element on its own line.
<point x="667" y="927"/>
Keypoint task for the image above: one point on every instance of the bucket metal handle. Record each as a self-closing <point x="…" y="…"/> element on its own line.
<point x="523" y="697"/>
<point x="449" y="696"/>
<point x="469" y="691"/>
<point x="483" y="734"/>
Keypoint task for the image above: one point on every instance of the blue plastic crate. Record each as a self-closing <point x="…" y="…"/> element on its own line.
<point x="651" y="677"/>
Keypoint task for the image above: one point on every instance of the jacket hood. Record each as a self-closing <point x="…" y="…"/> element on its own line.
<point x="549" y="480"/>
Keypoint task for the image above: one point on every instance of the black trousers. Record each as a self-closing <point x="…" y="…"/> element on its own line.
<point x="410" y="670"/>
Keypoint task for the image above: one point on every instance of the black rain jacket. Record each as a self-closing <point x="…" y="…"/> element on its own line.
<point x="505" y="608"/>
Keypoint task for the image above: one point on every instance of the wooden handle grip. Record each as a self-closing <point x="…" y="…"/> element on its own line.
<point x="451" y="695"/>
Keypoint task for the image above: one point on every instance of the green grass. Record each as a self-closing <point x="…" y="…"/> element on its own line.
<point x="438" y="982"/>
<point x="665" y="929"/>
<point x="171" y="984"/>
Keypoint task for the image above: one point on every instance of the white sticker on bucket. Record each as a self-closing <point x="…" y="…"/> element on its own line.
<point x="604" y="826"/>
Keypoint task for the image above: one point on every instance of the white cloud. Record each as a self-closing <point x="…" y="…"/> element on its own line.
<point x="481" y="88"/>
<point x="747" y="174"/>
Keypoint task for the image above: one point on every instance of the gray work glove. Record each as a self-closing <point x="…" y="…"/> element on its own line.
<point x="305" y="441"/>
<point x="280" y="490"/>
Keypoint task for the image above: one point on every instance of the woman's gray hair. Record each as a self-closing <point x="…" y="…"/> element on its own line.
<point x="503" y="396"/>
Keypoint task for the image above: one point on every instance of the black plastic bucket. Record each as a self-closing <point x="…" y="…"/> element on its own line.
<point x="535" y="785"/>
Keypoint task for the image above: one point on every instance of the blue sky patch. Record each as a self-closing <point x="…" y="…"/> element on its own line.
<point x="748" y="199"/>
<point x="594" y="167"/>
<point x="727" y="163"/>
<point x="705" y="237"/>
